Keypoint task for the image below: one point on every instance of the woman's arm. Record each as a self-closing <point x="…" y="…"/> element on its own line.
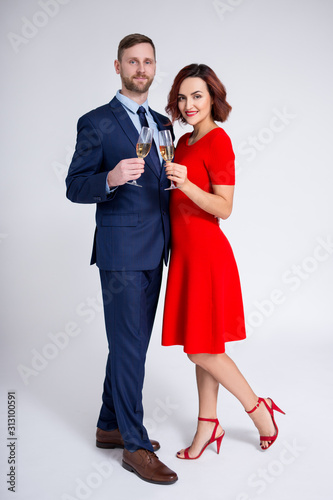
<point x="218" y="203"/>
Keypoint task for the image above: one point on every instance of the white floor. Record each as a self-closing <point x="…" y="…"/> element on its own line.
<point x="56" y="415"/>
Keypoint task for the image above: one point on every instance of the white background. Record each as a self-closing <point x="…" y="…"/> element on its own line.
<point x="274" y="57"/>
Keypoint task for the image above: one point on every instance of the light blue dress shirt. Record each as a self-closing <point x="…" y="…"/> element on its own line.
<point x="131" y="107"/>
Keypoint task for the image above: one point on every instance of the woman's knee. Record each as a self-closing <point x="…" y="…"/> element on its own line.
<point x="197" y="359"/>
<point x="204" y="360"/>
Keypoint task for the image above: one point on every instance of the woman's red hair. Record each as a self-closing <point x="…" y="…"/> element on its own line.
<point x="220" y="107"/>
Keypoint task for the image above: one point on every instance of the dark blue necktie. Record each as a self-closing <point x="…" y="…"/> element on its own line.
<point x="153" y="151"/>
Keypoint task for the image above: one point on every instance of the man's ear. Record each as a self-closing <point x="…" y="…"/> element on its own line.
<point x="117" y="66"/>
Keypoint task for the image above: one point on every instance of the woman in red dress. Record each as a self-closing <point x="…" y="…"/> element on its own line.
<point x="203" y="305"/>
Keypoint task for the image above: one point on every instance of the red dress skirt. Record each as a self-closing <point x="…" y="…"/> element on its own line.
<point x="203" y="304"/>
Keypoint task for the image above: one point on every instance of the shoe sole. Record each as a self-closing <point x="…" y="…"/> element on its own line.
<point x="111" y="446"/>
<point x="131" y="469"/>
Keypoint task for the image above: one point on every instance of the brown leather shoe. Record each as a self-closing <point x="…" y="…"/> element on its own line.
<point x="147" y="466"/>
<point x="113" y="439"/>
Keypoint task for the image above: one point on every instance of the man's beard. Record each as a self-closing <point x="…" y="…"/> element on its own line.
<point x="130" y="85"/>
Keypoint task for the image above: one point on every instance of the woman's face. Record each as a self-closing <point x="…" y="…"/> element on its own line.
<point x="194" y="101"/>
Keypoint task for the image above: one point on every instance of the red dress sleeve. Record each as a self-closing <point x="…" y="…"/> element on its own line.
<point x="220" y="161"/>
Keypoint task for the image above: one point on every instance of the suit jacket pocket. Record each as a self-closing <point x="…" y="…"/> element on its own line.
<point x="120" y="220"/>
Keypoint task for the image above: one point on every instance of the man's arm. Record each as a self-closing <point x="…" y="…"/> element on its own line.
<point x="86" y="181"/>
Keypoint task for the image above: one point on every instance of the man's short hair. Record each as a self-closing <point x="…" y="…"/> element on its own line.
<point x="131" y="40"/>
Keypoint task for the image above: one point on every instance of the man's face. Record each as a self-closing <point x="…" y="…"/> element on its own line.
<point x="137" y="68"/>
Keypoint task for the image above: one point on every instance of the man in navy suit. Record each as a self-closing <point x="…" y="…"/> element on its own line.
<point x="131" y="241"/>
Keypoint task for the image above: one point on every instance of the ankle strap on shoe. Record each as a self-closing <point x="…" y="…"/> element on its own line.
<point x="256" y="406"/>
<point x="215" y="420"/>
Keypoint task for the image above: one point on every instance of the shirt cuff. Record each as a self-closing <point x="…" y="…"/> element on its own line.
<point x="110" y="190"/>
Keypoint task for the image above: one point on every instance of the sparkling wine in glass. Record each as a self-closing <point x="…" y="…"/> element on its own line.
<point x="167" y="150"/>
<point x="143" y="147"/>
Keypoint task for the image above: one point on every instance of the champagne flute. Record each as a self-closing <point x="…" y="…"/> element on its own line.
<point x="167" y="150"/>
<point x="143" y="147"/>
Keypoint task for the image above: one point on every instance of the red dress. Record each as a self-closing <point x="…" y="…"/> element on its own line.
<point x="203" y="304"/>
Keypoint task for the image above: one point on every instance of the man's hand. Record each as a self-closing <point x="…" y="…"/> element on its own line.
<point x="126" y="170"/>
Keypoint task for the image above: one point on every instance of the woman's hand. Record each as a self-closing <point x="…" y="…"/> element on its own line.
<point x="177" y="173"/>
<point x="217" y="203"/>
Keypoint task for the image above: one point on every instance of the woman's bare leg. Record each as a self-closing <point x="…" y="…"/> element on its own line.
<point x="208" y="388"/>
<point x="224" y="370"/>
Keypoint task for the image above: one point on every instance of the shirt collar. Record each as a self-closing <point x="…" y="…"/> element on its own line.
<point x="130" y="105"/>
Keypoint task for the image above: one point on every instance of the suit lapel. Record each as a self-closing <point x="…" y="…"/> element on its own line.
<point x="124" y="121"/>
<point x="129" y="129"/>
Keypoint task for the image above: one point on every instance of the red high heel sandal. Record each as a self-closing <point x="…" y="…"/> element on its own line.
<point x="218" y="440"/>
<point x="269" y="439"/>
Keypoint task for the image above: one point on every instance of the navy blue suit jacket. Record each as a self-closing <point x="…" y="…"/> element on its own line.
<point x="132" y="224"/>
